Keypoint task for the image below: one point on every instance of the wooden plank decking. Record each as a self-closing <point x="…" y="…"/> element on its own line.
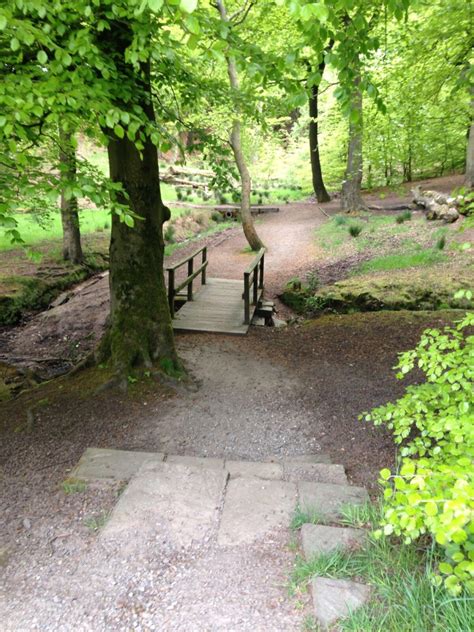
<point x="217" y="307"/>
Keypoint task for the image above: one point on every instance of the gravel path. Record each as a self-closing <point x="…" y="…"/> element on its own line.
<point x="274" y="392"/>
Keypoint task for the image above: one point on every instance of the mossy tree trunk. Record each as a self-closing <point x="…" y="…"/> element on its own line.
<point x="139" y="328"/>
<point x="351" y="198"/>
<point x="72" y="249"/>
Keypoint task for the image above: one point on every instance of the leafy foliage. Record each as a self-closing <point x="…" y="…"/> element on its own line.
<point x="433" y="490"/>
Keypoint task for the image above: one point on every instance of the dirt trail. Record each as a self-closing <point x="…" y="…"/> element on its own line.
<point x="274" y="392"/>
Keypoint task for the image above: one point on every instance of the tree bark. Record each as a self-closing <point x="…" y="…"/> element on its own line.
<point x="139" y="328"/>
<point x="317" y="175"/>
<point x="351" y="199"/>
<point x="72" y="249"/>
<point x="469" y="176"/>
<point x="236" y="143"/>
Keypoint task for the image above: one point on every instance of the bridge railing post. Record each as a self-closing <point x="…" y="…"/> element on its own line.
<point x="246" y="298"/>
<point x="255" y="285"/>
<point x="204" y="259"/>
<point x="262" y="269"/>
<point x="190" y="272"/>
<point x="171" y="291"/>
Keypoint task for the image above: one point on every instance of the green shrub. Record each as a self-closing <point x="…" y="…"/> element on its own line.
<point x="217" y="217"/>
<point x="340" y="220"/>
<point x="441" y="243"/>
<point x="432" y="491"/>
<point x="355" y="230"/>
<point x="169" y="234"/>
<point x="403" y="217"/>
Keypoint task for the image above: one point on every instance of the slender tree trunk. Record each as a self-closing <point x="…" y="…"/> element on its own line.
<point x="139" y="328"/>
<point x="351" y="199"/>
<point x="72" y="249"/>
<point x="317" y="175"/>
<point x="236" y="143"/>
<point x="469" y="176"/>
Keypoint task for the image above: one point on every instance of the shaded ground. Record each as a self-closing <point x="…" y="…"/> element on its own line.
<point x="274" y="392"/>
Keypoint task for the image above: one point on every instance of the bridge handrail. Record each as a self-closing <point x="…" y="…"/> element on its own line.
<point x="253" y="279"/>
<point x="188" y="282"/>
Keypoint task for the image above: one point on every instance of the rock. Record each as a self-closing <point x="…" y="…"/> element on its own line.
<point x="253" y="508"/>
<point x="320" y="539"/>
<point x="426" y="289"/>
<point x="319" y="457"/>
<point x="334" y="599"/>
<point x="258" y="322"/>
<point x="277" y="322"/>
<point x="27" y="523"/>
<point x="326" y="499"/>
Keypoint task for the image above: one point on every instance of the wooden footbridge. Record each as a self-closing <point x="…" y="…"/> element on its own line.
<point x="219" y="305"/>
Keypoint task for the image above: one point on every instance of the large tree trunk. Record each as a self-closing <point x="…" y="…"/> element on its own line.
<point x="351" y="199"/>
<point x="236" y="143"/>
<point x="139" y="328"/>
<point x="72" y="250"/>
<point x="469" y="177"/>
<point x="317" y="175"/>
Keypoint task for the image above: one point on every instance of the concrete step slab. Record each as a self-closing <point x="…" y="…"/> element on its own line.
<point x="100" y="464"/>
<point x="253" y="508"/>
<point x="268" y="471"/>
<point x="315" y="472"/>
<point x="318" y="457"/>
<point x="327" y="499"/>
<point x="170" y="502"/>
<point x="334" y="599"/>
<point x="318" y="539"/>
<point x="196" y="461"/>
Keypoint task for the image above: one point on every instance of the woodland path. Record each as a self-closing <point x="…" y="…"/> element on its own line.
<point x="276" y="392"/>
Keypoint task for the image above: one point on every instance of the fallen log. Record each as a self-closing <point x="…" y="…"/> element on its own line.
<point x="437" y="205"/>
<point x="229" y="210"/>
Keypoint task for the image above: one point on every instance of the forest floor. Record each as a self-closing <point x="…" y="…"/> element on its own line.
<point x="288" y="391"/>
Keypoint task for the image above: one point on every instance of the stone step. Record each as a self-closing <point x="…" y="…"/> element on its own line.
<point x="318" y="539"/>
<point x="253" y="508"/>
<point x="334" y="599"/>
<point x="315" y="472"/>
<point x="326" y="499"/>
<point x="101" y="464"/>
<point x="176" y="502"/>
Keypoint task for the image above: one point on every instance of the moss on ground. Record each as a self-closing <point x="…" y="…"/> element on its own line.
<point x="428" y="289"/>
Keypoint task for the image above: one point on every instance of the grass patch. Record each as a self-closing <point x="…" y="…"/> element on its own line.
<point x="305" y="516"/>
<point x="355" y="230"/>
<point x="401" y="261"/>
<point x="73" y="486"/>
<point x="95" y="523"/>
<point x="405" y="597"/>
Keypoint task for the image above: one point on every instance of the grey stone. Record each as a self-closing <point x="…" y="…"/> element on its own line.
<point x="277" y="322"/>
<point x="326" y="499"/>
<point x="269" y="471"/>
<point x="334" y="599"/>
<point x="172" y="501"/>
<point x="315" y="472"/>
<point x="258" y="321"/>
<point x="253" y="508"/>
<point x="196" y="461"/>
<point x="320" y="457"/>
<point x="319" y="539"/>
<point x="99" y="464"/>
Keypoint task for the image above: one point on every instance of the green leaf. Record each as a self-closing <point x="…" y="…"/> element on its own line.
<point x="188" y="6"/>
<point x="42" y="57"/>
<point x="155" y="5"/>
<point x="14" y="44"/>
<point x="385" y="474"/>
<point x="119" y="131"/>
<point x="3" y="22"/>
